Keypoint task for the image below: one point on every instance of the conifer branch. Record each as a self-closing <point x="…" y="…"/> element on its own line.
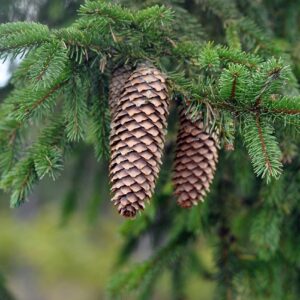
<point x="283" y="106"/>
<point x="239" y="57"/>
<point x="232" y="83"/>
<point x="28" y="102"/>
<point x="113" y="12"/>
<point x="262" y="147"/>
<point x="75" y="107"/>
<point x="19" y="37"/>
<point x="45" y="157"/>
<point x="272" y="76"/>
<point x="100" y="122"/>
<point x="47" y="64"/>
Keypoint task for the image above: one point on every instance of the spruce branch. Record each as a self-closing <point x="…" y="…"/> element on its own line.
<point x="227" y="130"/>
<point x="45" y="157"/>
<point x="262" y="147"/>
<point x="10" y="142"/>
<point x="20" y="37"/>
<point x="233" y="83"/>
<point x="283" y="106"/>
<point x="187" y="50"/>
<point x="208" y="58"/>
<point x="42" y="66"/>
<point x="274" y="75"/>
<point x="49" y="62"/>
<point x="154" y="17"/>
<point x="79" y="43"/>
<point x="72" y="36"/>
<point x="114" y="13"/>
<point x="30" y="102"/>
<point x="20" y="180"/>
<point x="48" y="161"/>
<point x="250" y="60"/>
<point x="99" y="125"/>
<point x="75" y="107"/>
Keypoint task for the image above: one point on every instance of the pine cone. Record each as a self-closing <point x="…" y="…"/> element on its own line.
<point x="137" y="139"/>
<point x="195" y="161"/>
<point x="117" y="84"/>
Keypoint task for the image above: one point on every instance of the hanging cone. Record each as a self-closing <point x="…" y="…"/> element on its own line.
<point x="195" y="161"/>
<point x="138" y="138"/>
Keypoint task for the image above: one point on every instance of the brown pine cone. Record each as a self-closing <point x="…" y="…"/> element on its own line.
<point x="195" y="161"/>
<point x="137" y="139"/>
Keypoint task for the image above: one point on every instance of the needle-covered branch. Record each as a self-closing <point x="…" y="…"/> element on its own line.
<point x="44" y="157"/>
<point x="17" y="38"/>
<point x="262" y="147"/>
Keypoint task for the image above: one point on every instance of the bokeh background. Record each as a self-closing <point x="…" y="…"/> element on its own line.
<point x="63" y="243"/>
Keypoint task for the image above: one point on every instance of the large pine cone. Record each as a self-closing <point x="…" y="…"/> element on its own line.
<point x="137" y="139"/>
<point x="195" y="162"/>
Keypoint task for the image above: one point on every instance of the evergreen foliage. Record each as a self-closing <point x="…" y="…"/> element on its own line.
<point x="223" y="60"/>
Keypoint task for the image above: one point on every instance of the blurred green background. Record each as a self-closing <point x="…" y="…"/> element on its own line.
<point x="45" y="254"/>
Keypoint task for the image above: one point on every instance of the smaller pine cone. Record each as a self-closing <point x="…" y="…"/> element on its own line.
<point x="137" y="139"/>
<point x="195" y="161"/>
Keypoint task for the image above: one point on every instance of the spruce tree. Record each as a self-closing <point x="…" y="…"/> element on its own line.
<point x="235" y="66"/>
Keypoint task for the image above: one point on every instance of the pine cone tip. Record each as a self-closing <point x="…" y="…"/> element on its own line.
<point x="187" y="203"/>
<point x="128" y="213"/>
